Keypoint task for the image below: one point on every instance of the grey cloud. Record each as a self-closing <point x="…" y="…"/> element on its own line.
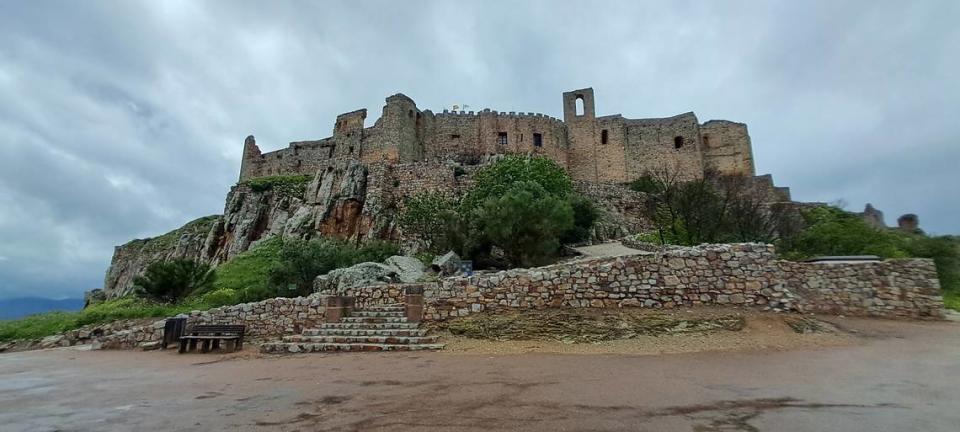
<point x="126" y="119"/>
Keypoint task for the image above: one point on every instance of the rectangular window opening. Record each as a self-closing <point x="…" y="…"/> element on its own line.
<point x="502" y="138"/>
<point x="603" y="137"/>
<point x="537" y="140"/>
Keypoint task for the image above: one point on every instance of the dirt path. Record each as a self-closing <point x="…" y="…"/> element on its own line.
<point x="899" y="376"/>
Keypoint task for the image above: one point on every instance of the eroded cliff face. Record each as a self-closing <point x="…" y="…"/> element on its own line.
<point x="339" y="202"/>
<point x="348" y="200"/>
<point x="130" y="260"/>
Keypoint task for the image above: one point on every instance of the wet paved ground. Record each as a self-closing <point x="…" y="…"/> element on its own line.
<point x="903" y="377"/>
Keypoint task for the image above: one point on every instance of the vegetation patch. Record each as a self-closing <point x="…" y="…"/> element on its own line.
<point x="583" y="325"/>
<point x="292" y="186"/>
<point x="196" y="227"/>
<point x="46" y="324"/>
<point x="517" y="213"/>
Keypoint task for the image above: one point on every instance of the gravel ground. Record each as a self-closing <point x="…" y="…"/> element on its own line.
<point x="890" y="376"/>
<point x="763" y="331"/>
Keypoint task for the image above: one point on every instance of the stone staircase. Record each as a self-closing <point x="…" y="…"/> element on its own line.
<point x="376" y="328"/>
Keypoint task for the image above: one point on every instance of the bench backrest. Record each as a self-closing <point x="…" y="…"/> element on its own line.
<point x="217" y="329"/>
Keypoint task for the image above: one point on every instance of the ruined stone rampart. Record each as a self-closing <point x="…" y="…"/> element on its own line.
<point x="602" y="149"/>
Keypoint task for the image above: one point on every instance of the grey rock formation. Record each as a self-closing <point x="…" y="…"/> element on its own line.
<point x="447" y="264"/>
<point x="409" y="269"/>
<point x="395" y="269"/>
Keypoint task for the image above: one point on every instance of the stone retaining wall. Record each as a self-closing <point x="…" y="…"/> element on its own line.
<point x="268" y="318"/>
<point x="737" y="274"/>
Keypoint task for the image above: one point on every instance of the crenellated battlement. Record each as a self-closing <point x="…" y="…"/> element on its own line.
<point x="608" y="148"/>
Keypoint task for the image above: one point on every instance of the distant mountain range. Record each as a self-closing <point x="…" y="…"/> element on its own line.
<point x="20" y="307"/>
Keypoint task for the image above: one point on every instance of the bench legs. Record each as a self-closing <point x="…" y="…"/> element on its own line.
<point x="187" y="345"/>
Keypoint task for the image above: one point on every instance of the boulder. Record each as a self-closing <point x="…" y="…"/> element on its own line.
<point x="396" y="269"/>
<point x="447" y="264"/>
<point x="363" y="274"/>
<point x="409" y="269"/>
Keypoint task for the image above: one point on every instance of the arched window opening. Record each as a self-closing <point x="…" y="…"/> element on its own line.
<point x="410" y="113"/>
<point x="603" y="137"/>
<point x="706" y="140"/>
<point x="579" y="103"/>
<point x="678" y="142"/>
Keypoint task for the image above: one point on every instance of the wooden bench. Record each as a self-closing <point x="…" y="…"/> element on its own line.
<point x="210" y="336"/>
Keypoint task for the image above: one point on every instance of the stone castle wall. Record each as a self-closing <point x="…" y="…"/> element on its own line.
<point x="601" y="149"/>
<point x="726" y="147"/>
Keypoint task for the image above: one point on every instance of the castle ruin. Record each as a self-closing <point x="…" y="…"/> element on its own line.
<point x="608" y="149"/>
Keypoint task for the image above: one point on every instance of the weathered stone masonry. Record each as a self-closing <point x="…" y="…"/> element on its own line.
<point x="741" y="274"/>
<point x="747" y="275"/>
<point x="597" y="149"/>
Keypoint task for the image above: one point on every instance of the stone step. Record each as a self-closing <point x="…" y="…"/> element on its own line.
<point x="372" y="320"/>
<point x="370" y="326"/>
<point x="390" y="340"/>
<point x="364" y="332"/>
<point x="384" y="308"/>
<point x="291" y="347"/>
<point x="381" y="314"/>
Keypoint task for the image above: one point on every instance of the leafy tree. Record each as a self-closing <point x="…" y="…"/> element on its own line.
<point x="526" y="222"/>
<point x="433" y="219"/>
<point x="495" y="179"/>
<point x="169" y="281"/>
<point x="585" y="215"/>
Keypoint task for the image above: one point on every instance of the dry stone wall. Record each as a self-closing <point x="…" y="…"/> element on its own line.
<point x="740" y="274"/>
<point x="264" y="319"/>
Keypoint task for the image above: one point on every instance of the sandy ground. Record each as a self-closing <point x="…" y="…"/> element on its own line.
<point x="763" y="331"/>
<point x="889" y="376"/>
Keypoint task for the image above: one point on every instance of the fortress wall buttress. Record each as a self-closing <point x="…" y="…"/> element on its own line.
<point x="671" y="144"/>
<point x="726" y="148"/>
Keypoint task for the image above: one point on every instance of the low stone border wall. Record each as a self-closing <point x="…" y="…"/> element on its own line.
<point x="268" y="318"/>
<point x="735" y="274"/>
<point x="729" y="274"/>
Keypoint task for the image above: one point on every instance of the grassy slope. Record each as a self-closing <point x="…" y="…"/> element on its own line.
<point x="247" y="272"/>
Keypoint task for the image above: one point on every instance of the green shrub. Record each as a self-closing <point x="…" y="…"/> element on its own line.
<point x="585" y="215"/>
<point x="292" y="186"/>
<point x="433" y="219"/>
<point x="495" y="179"/>
<point x="170" y="281"/>
<point x="832" y="231"/>
<point x="249" y="271"/>
<point x="301" y="261"/>
<point x="645" y="184"/>
<point x="220" y="297"/>
<point x="45" y="324"/>
<point x="526" y="222"/>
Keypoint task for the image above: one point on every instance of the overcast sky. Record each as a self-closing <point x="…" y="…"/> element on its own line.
<point x="125" y="119"/>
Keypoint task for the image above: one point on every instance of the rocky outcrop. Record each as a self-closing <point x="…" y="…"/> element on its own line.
<point x="343" y="200"/>
<point x="131" y="259"/>
<point x="396" y="269"/>
<point x="346" y="199"/>
<point x="621" y="210"/>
